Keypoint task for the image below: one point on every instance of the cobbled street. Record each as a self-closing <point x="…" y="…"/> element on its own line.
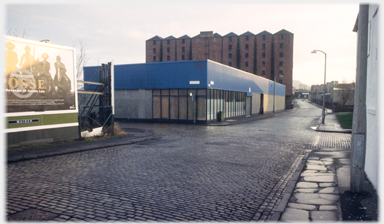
<point x="192" y="173"/>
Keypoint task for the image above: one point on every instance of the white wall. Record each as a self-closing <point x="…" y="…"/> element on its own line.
<point x="372" y="135"/>
<point x="255" y="103"/>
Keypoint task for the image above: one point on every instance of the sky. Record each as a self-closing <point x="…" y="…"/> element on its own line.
<point x="117" y="32"/>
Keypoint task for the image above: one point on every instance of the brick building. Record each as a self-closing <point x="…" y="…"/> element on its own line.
<point x="263" y="54"/>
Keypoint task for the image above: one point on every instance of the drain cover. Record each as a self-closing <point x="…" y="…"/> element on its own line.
<point x="32" y="215"/>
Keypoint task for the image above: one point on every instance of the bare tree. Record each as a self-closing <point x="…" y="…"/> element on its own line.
<point x="344" y="91"/>
<point x="303" y="87"/>
<point x="81" y="59"/>
<point x="15" y="33"/>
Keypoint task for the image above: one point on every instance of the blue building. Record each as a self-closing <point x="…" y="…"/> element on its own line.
<point x="189" y="91"/>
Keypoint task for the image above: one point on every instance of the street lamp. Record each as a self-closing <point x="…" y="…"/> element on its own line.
<point x="274" y="90"/>
<point x="325" y="66"/>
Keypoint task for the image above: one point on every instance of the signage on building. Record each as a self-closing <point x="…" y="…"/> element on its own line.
<point x="194" y="82"/>
<point x="39" y="77"/>
<point x="25" y="121"/>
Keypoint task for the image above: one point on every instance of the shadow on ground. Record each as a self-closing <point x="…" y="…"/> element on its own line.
<point x="360" y="207"/>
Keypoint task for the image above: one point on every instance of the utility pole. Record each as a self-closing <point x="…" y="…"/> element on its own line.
<point x="359" y="112"/>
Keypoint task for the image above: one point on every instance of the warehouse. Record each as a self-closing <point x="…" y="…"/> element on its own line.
<point x="198" y="91"/>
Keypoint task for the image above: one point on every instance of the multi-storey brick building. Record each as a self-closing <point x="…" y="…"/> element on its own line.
<point x="264" y="54"/>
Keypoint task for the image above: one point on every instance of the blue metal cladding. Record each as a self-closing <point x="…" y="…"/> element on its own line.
<point x="158" y="75"/>
<point x="91" y="73"/>
<point x="185" y="75"/>
<point x="161" y="75"/>
<point x="228" y="78"/>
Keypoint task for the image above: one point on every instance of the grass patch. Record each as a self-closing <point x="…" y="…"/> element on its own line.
<point x="345" y="120"/>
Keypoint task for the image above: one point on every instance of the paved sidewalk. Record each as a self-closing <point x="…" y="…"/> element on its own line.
<point x="332" y="124"/>
<point x="243" y="119"/>
<point x="315" y="189"/>
<point x="133" y="136"/>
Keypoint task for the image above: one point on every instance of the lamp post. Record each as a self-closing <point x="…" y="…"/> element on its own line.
<point x="325" y="66"/>
<point x="274" y="90"/>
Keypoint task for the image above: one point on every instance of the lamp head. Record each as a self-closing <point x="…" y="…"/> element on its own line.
<point x="313" y="52"/>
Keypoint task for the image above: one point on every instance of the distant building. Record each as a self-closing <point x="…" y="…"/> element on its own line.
<point x="336" y="95"/>
<point x="343" y="94"/>
<point x="264" y="54"/>
<point x="302" y="94"/>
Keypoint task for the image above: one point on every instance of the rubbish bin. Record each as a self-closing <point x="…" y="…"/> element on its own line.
<point x="220" y="116"/>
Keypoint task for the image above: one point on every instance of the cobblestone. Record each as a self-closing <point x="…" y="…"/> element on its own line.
<point x="192" y="173"/>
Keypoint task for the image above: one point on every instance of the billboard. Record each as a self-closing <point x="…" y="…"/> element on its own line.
<point x="39" y="77"/>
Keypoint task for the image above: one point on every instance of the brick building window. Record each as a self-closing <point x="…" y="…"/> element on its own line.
<point x="154" y="42"/>
<point x="263" y="63"/>
<point x="281" y="63"/>
<point x="281" y="54"/>
<point x="168" y="49"/>
<point x="229" y="55"/>
<point x="263" y="46"/>
<point x="168" y="58"/>
<point x="246" y="55"/>
<point x="281" y="72"/>
<point x="154" y="58"/>
<point x="247" y="38"/>
<point x="182" y="57"/>
<point x="263" y="72"/>
<point x="183" y="49"/>
<point x="263" y="54"/>
<point x="280" y="81"/>
<point x="246" y="64"/>
<point x="168" y="41"/>
<point x="246" y="47"/>
<point x="281" y="45"/>
<point x="154" y="50"/>
<point x="230" y="63"/>
<point x="230" y="39"/>
<point x="230" y="47"/>
<point x="264" y="37"/>
<point x="281" y="36"/>
<point x="183" y="41"/>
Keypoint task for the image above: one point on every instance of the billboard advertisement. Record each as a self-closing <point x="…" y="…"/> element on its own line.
<point x="39" y="77"/>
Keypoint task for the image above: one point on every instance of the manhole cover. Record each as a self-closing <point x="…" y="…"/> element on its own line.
<point x="32" y="215"/>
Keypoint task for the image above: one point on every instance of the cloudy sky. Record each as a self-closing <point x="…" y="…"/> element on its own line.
<point x="118" y="31"/>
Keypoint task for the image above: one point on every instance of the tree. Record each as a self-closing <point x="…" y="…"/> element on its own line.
<point x="15" y="33"/>
<point x="303" y="87"/>
<point x="344" y="91"/>
<point x="81" y="60"/>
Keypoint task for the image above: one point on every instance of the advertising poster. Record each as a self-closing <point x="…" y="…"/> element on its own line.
<point x="38" y="76"/>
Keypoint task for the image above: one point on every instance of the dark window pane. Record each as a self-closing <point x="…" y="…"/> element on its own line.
<point x="183" y="107"/>
<point x="174" y="107"/>
<point x="156" y="107"/>
<point x="156" y="92"/>
<point x="174" y="92"/>
<point x="165" y="92"/>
